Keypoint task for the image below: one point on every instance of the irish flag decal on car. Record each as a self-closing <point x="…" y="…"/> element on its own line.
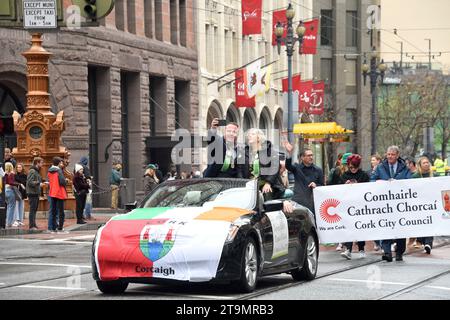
<point x="169" y="243"/>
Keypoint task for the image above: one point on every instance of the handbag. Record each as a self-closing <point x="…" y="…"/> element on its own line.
<point x="17" y="193"/>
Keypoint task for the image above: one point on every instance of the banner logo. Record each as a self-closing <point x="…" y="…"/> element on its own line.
<point x="446" y="203"/>
<point x="325" y="215"/>
<point x="156" y="241"/>
<point x="252" y="14"/>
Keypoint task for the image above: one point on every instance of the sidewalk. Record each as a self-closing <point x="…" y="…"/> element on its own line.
<point x="99" y="215"/>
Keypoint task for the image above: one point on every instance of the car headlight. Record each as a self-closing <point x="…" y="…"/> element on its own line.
<point x="234" y="228"/>
<point x="232" y="232"/>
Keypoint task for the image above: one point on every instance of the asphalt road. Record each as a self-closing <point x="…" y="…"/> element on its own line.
<point x="59" y="268"/>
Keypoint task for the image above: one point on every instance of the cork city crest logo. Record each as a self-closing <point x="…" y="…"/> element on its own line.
<point x="325" y="211"/>
<point x="156" y="241"/>
<point x="446" y="203"/>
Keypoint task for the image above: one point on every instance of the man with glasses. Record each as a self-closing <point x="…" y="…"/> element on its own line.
<point x="392" y="168"/>
<point x="307" y="176"/>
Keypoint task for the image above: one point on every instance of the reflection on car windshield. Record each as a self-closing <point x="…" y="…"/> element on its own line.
<point x="194" y="193"/>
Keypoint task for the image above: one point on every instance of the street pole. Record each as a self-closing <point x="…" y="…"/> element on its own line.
<point x="373" y="74"/>
<point x="289" y="41"/>
<point x="290" y="111"/>
<point x="401" y="56"/>
<point x="429" y="54"/>
<point x="373" y="90"/>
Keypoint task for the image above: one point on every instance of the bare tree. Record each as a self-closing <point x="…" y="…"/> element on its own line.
<point x="421" y="100"/>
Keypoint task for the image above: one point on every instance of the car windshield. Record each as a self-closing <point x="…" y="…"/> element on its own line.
<point x="236" y="193"/>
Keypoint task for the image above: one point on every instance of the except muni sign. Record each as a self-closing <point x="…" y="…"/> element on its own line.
<point x="39" y="14"/>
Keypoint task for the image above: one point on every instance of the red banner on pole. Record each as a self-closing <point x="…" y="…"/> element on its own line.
<point x="281" y="17"/>
<point x="309" y="45"/>
<point x="305" y="95"/>
<point x="316" y="103"/>
<point x="295" y="84"/>
<point x="242" y="99"/>
<point x="251" y="16"/>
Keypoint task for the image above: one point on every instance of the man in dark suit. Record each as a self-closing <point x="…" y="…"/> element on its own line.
<point x="225" y="158"/>
<point x="392" y="168"/>
<point x="307" y="176"/>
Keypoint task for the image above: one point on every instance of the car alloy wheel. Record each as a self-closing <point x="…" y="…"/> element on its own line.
<point x="249" y="273"/>
<point x="309" y="269"/>
<point x="311" y="255"/>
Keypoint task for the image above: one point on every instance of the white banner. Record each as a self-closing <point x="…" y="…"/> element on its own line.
<point x="383" y="210"/>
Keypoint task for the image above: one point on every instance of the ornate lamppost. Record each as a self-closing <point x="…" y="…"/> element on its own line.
<point x="289" y="41"/>
<point x="374" y="71"/>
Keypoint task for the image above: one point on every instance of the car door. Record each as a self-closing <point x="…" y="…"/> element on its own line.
<point x="277" y="240"/>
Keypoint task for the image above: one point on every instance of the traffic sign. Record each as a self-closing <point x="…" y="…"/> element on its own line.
<point x="39" y="14"/>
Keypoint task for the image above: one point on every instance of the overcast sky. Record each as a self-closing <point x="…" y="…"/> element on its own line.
<point x="416" y="14"/>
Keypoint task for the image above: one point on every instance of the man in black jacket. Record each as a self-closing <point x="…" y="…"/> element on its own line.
<point x="225" y="158"/>
<point x="307" y="176"/>
<point x="33" y="187"/>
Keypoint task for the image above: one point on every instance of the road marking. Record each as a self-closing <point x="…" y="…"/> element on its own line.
<point x="49" y="287"/>
<point x="437" y="287"/>
<point x="369" y="281"/>
<point x="45" y="264"/>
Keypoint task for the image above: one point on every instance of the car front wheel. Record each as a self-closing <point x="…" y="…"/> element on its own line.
<point x="249" y="266"/>
<point x="309" y="269"/>
<point x="112" y="287"/>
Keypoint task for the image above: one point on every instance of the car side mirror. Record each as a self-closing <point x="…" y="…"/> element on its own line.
<point x="130" y="206"/>
<point x="273" y="205"/>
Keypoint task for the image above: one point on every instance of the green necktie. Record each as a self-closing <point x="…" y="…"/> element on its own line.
<point x="392" y="171"/>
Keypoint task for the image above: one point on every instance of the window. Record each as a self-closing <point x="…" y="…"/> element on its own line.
<point x="173" y="22"/>
<point x="149" y="18"/>
<point x="351" y="29"/>
<point x="350" y="119"/>
<point x="235" y="50"/>
<point x="326" y="27"/>
<point x="120" y="15"/>
<point x="325" y="70"/>
<point x="209" y="57"/>
<point x="131" y="16"/>
<point x="350" y="76"/>
<point x="183" y="24"/>
<point x="158" y="20"/>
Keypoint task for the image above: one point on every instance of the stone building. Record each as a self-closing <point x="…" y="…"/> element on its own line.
<point x="222" y="48"/>
<point x="343" y="42"/>
<point x="124" y="86"/>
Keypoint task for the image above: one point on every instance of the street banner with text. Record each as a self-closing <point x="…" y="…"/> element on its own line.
<point x="251" y="17"/>
<point x="383" y="210"/>
<point x="306" y="88"/>
<point x="309" y="45"/>
<point x="317" y="96"/>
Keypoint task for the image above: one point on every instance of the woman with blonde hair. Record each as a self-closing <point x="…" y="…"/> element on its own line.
<point x="424" y="170"/>
<point x="10" y="194"/>
<point x="262" y="163"/>
<point x="21" y="178"/>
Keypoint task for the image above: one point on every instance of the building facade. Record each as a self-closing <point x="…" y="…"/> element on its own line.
<point x="222" y="48"/>
<point x="124" y="86"/>
<point x="344" y="39"/>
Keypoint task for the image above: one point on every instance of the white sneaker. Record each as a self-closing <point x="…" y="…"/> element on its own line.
<point x="20" y="223"/>
<point x="362" y="254"/>
<point x="347" y="254"/>
<point x="15" y="224"/>
<point x="339" y="247"/>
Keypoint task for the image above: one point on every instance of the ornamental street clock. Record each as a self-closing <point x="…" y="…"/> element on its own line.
<point x="39" y="129"/>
